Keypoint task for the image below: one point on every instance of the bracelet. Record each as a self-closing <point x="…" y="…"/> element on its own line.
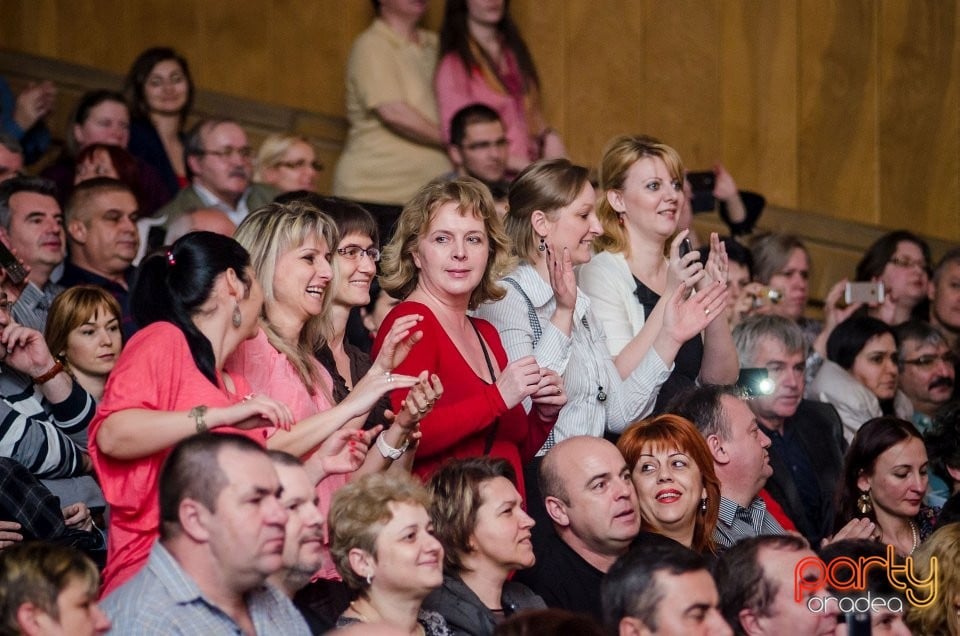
<point x="197" y="414"/>
<point x="49" y="375"/>
<point x="388" y="451"/>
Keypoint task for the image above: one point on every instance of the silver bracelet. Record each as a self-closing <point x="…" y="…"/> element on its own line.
<point x="388" y="451"/>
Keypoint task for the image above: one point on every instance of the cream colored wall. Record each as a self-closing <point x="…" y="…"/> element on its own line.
<point x="846" y="107"/>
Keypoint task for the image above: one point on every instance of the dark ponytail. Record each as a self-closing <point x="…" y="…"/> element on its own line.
<point x="174" y="284"/>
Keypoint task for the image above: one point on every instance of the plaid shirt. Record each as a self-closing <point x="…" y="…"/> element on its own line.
<point x="25" y="500"/>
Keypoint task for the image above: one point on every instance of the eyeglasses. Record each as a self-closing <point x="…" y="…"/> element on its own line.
<point x="299" y="164"/>
<point x="906" y="262"/>
<point x="927" y="361"/>
<point x="352" y="253"/>
<point x="227" y="153"/>
<point x="486" y="145"/>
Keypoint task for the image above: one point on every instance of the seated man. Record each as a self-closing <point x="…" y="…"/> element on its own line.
<point x="927" y="373"/>
<point x="44" y="414"/>
<point x="221" y="536"/>
<point x="479" y="148"/>
<point x="807" y="444"/>
<point x="740" y="457"/>
<point x="592" y="504"/>
<point x="47" y="590"/>
<point x="303" y="544"/>
<point x="756" y="583"/>
<point x="31" y="217"/>
<point x="661" y="588"/>
<point x="11" y="156"/>
<point x="103" y="237"/>
<point x="220" y="162"/>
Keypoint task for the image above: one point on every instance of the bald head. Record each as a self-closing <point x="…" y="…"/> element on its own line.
<point x="553" y="469"/>
<point x="201" y="220"/>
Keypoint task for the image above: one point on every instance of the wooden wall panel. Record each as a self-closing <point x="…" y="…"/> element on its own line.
<point x="847" y="107"/>
<point x="919" y="114"/>
<point x="837" y="145"/>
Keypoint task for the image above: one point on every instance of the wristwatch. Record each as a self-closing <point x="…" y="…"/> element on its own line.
<point x="389" y="452"/>
<point x="197" y="414"/>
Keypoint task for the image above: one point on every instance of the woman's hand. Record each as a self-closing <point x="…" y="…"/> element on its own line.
<point x="562" y="279"/>
<point x="684" y="318"/>
<point x="855" y="529"/>
<point x="718" y="265"/>
<point x="255" y="411"/>
<point x="342" y="452"/>
<point x="419" y="401"/>
<point x="550" y="395"/>
<point x="519" y="380"/>
<point x="9" y="534"/>
<point x="400" y="339"/>
<point x="687" y="270"/>
<point x="833" y="315"/>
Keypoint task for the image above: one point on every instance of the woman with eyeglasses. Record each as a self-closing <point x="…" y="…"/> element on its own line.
<point x="288" y="163"/>
<point x="859" y="376"/>
<point x="900" y="260"/>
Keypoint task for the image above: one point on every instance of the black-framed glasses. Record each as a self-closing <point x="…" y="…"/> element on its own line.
<point x="352" y="253"/>
<point x="927" y="361"/>
<point x="906" y="262"/>
<point x="299" y="165"/>
<point x="244" y="152"/>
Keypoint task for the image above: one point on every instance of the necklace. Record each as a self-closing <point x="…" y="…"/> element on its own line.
<point x="363" y="618"/>
<point x="914" y="534"/>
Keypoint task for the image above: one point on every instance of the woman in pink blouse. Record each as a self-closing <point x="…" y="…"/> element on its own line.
<point x="484" y="59"/>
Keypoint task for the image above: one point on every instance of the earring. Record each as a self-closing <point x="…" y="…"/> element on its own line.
<point x="237" y="318"/>
<point x="369" y="580"/>
<point x="864" y="502"/>
<point x="703" y="505"/>
<point x="620" y="218"/>
<point x="543" y="244"/>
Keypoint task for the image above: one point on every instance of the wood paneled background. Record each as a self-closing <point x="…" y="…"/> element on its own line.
<point x="845" y="107"/>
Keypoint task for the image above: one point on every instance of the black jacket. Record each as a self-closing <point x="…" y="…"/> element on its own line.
<point x="466" y="614"/>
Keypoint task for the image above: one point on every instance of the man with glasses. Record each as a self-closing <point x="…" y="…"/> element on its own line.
<point x="806" y="436"/>
<point x="220" y="164"/>
<point x="479" y="148"/>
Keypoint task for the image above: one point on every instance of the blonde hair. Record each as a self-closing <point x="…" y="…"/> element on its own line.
<point x="940" y="617"/>
<point x="618" y="157"/>
<point x="359" y="512"/>
<point x="400" y="274"/>
<point x="546" y="185"/>
<point x="272" y="150"/>
<point x="269" y="232"/>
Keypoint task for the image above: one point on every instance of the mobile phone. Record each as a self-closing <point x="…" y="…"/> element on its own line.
<point x="685" y="247"/>
<point x="702" y="183"/>
<point x="767" y="295"/>
<point x="15" y="270"/>
<point x="858" y="623"/>
<point x="755" y="382"/>
<point x="864" y="292"/>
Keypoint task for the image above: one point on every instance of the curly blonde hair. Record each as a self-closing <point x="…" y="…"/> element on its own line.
<point x="940" y="617"/>
<point x="400" y="274"/>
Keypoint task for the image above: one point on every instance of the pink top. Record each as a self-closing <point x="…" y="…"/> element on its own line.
<point x="456" y="88"/>
<point x="269" y="372"/>
<point x="155" y="371"/>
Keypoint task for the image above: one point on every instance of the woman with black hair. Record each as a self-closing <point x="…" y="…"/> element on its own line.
<point x="901" y="261"/>
<point x="195" y="303"/>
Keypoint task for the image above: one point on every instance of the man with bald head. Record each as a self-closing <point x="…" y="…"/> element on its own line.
<point x="592" y="505"/>
<point x="220" y="163"/>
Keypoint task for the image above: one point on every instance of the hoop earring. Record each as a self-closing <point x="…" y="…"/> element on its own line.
<point x="543" y="245"/>
<point x="865" y="502"/>
<point x="237" y="317"/>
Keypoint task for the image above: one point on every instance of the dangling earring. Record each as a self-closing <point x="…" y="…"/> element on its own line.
<point x="543" y="245"/>
<point x="620" y="218"/>
<point x="237" y="318"/>
<point x="369" y="580"/>
<point x="864" y="502"/>
<point x="703" y="505"/>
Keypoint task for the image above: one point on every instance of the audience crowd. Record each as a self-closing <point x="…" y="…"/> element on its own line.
<point x="472" y="393"/>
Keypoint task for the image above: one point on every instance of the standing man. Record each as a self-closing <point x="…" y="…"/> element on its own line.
<point x="221" y="536"/>
<point x="479" y="148"/>
<point x="31" y="218"/>
<point x="807" y="444"/>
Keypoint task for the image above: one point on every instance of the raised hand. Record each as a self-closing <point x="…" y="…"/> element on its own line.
<point x="519" y="380"/>
<point x="718" y="266"/>
<point x="27" y="351"/>
<point x="342" y="452"/>
<point x="724" y="187"/>
<point x="562" y="279"/>
<point x="686" y="317"/>
<point x="34" y="103"/>
<point x="419" y="402"/>
<point x="687" y="270"/>
<point x="400" y="339"/>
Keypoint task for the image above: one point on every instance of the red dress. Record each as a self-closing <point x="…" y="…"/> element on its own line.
<point x="155" y="371"/>
<point x="460" y="422"/>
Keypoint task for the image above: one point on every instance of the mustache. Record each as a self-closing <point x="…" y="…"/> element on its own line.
<point x="239" y="172"/>
<point x="942" y="381"/>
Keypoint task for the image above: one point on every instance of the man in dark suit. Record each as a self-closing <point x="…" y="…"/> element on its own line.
<point x="807" y="444"/>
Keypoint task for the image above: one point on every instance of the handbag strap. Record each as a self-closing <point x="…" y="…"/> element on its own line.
<point x="492" y="431"/>
<point x="531" y="312"/>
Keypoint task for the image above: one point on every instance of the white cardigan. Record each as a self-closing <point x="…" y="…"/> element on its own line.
<point x="606" y="279"/>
